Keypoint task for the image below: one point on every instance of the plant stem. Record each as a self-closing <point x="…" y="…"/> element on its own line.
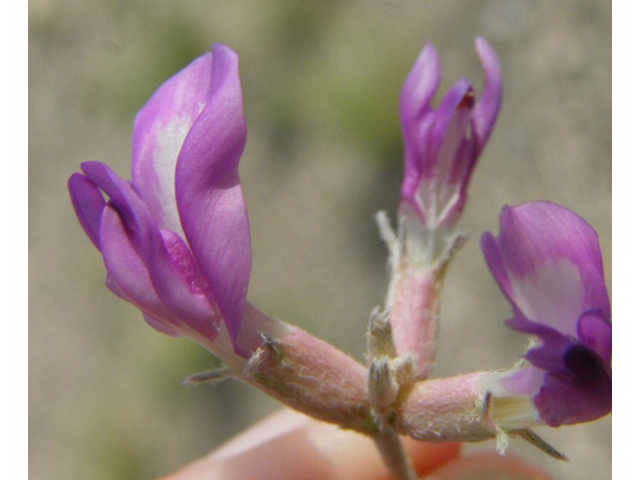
<point x="393" y="452"/>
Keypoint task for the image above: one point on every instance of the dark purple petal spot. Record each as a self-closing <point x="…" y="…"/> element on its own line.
<point x="587" y="370"/>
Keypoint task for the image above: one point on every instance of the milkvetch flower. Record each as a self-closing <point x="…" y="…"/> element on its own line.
<point x="548" y="263"/>
<point x="175" y="240"/>
<point x="442" y="145"/>
<point x="176" y="244"/>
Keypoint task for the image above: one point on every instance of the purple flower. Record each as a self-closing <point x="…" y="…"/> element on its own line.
<point x="443" y="145"/>
<point x="175" y="240"/>
<point x="548" y="263"/>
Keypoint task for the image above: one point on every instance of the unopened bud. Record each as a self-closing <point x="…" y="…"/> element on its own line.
<point x="383" y="388"/>
<point x="380" y="336"/>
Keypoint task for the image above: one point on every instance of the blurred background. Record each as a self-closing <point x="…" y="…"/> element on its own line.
<point x="321" y="82"/>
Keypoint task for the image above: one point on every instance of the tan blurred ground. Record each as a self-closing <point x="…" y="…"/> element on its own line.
<point x="321" y="83"/>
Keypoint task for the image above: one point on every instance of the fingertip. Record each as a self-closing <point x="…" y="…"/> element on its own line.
<point x="427" y="457"/>
<point x="290" y="446"/>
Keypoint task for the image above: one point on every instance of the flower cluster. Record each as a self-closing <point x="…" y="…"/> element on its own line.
<point x="176" y="244"/>
<point x="548" y="263"/>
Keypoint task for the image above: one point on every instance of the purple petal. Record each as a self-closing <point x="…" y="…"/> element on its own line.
<point x="126" y="269"/>
<point x="568" y="382"/>
<point x="419" y="88"/>
<point x="483" y="117"/>
<point x="166" y="267"/>
<point x="486" y="111"/>
<point x="595" y="331"/>
<point x="524" y="381"/>
<point x="450" y="155"/>
<point x="159" y="132"/>
<point x="88" y="204"/>
<point x="548" y="355"/>
<point x="123" y="197"/>
<point x="496" y="262"/>
<point x="449" y="128"/>
<point x="129" y="273"/>
<point x="208" y="192"/>
<point x="572" y="370"/>
<point x="161" y="325"/>
<point x="434" y="150"/>
<point x="415" y="112"/>
<point x="458" y="180"/>
<point x="547" y="261"/>
<point x="582" y="392"/>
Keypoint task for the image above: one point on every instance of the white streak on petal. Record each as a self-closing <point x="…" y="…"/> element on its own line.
<point x="169" y="140"/>
<point x="553" y="295"/>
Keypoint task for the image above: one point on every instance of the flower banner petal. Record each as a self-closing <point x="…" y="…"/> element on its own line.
<point x="159" y="132"/>
<point x="419" y="88"/>
<point x="548" y="263"/>
<point x="209" y="195"/>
